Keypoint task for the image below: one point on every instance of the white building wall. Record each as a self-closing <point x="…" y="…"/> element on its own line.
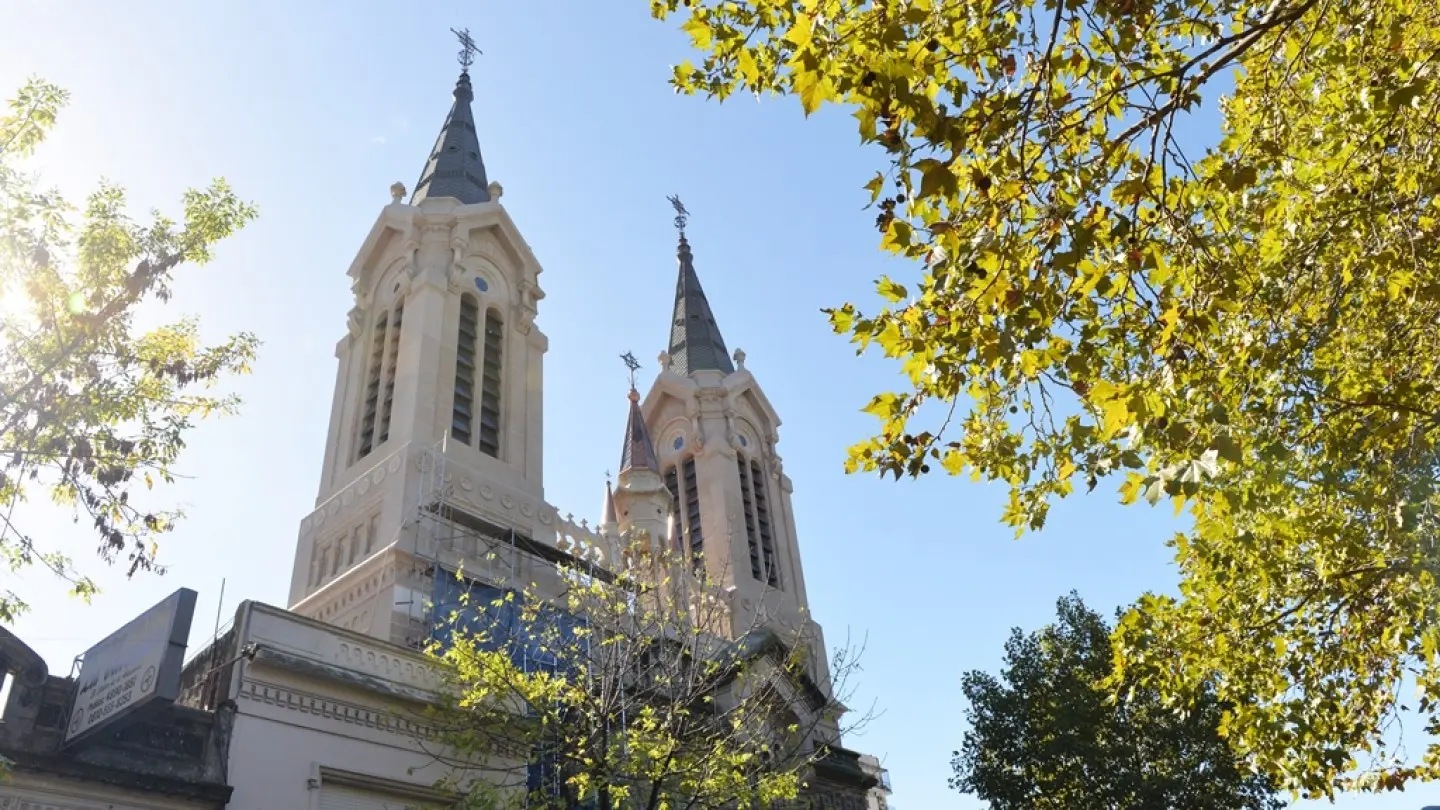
<point x="319" y="706"/>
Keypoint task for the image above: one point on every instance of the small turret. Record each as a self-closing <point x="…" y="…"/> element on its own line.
<point x="642" y="501"/>
<point x="609" y="524"/>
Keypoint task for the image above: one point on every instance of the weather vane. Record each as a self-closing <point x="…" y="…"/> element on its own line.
<point x="681" y="215"/>
<point x="632" y="364"/>
<point x="467" y="47"/>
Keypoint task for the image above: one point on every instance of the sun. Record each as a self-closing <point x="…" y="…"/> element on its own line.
<point x="17" y="312"/>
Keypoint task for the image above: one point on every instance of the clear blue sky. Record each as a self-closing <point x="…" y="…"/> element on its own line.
<point x="313" y="109"/>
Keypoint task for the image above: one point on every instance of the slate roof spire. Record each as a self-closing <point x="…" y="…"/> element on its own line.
<point x="695" y="341"/>
<point x="638" y="452"/>
<point x="455" y="168"/>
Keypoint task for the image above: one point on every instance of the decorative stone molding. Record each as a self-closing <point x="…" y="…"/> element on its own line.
<point x="355" y="322"/>
<point x="526" y="308"/>
<point x="386" y="664"/>
<point x="329" y="708"/>
<point x="581" y="541"/>
<point x="352" y="496"/>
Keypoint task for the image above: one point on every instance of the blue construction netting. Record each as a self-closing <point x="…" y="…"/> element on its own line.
<point x="477" y="608"/>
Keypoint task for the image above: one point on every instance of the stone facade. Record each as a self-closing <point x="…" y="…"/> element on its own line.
<point x="433" y="461"/>
<point x="319" y="711"/>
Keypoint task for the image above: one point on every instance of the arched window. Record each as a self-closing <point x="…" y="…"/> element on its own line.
<point x="371" y="404"/>
<point x="490" y="384"/>
<point x="462" y="417"/>
<point x="764" y="565"/>
<point x="392" y="356"/>
<point x="685" y="499"/>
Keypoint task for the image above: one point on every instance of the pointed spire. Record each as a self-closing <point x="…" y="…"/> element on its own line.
<point x="455" y="168"/>
<point x="607" y="517"/>
<point x="695" y="342"/>
<point x="638" y="452"/>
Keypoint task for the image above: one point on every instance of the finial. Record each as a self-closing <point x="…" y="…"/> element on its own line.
<point x="397" y="191"/>
<point x="664" y="360"/>
<point x="740" y="358"/>
<point x="634" y="366"/>
<point x="682" y="216"/>
<point x="495" y="190"/>
<point x="467" y="49"/>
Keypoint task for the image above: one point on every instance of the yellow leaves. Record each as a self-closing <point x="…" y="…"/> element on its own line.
<point x="1110" y="400"/>
<point x="801" y="31"/>
<point x="1169" y="318"/>
<point x="813" y="87"/>
<point x="884" y="406"/>
<point x="1262" y="322"/>
<point x="954" y="461"/>
<point x="890" y="290"/>
<point x="1029" y="363"/>
<point x="876" y="186"/>
<point x="745" y="66"/>
<point x="898" y="236"/>
<point x="699" y="30"/>
<point x="936" y="179"/>
<point x="890" y="340"/>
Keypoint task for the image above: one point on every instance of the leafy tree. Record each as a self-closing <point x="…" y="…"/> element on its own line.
<point x="1048" y="735"/>
<point x="626" y="687"/>
<point x="1248" y="330"/>
<point x="90" y="405"/>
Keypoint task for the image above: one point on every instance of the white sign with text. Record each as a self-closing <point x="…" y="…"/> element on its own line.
<point x="133" y="666"/>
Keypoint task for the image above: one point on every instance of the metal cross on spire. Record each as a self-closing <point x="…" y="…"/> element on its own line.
<point x="468" y="49"/>
<point x="632" y="364"/>
<point x="682" y="216"/>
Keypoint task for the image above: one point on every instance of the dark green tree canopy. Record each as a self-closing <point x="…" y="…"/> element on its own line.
<point x="1048" y="735"/>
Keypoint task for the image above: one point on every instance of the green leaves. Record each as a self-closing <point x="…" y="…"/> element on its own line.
<point x="1048" y="733"/>
<point x="633" y="686"/>
<point x="89" y="406"/>
<point x="1246" y="332"/>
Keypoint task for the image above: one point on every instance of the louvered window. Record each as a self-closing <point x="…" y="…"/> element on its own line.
<point x="369" y="407"/>
<point x="462" y="418"/>
<point x="490" y="384"/>
<point x="763" y="524"/>
<point x="391" y="358"/>
<point x="685" y="497"/>
<point x="672" y="483"/>
<point x="692" y="511"/>
<point x="764" y="564"/>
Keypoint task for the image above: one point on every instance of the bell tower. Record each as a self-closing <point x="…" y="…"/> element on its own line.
<point x="715" y="437"/>
<point x="438" y="387"/>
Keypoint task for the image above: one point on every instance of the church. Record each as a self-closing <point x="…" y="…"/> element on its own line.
<point x="433" y="463"/>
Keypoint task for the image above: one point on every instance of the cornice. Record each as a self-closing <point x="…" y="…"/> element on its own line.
<point x="332" y="709"/>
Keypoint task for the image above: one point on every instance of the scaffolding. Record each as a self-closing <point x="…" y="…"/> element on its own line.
<point x="459" y="598"/>
<point x="447" y="537"/>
